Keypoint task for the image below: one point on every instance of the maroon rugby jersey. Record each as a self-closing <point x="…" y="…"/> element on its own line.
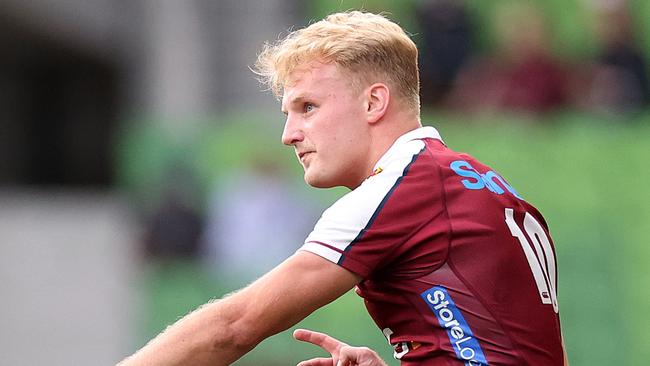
<point x="457" y="268"/>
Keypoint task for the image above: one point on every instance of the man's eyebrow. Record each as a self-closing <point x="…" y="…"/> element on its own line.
<point x="300" y="98"/>
<point x="297" y="100"/>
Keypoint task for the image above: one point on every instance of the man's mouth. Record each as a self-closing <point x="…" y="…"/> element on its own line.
<point x="302" y="154"/>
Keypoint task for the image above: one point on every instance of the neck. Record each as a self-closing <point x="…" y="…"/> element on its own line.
<point x="387" y="130"/>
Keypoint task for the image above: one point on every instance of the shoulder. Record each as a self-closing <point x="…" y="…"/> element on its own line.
<point x="387" y="207"/>
<point x="388" y="173"/>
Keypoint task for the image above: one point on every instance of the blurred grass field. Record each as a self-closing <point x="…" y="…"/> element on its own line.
<point x="587" y="175"/>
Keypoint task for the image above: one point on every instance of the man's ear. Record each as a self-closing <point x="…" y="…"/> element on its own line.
<point x="378" y="97"/>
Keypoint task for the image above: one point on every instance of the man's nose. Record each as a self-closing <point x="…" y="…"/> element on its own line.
<point x="292" y="133"/>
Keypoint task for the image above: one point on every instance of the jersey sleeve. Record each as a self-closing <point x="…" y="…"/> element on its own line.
<point x="367" y="228"/>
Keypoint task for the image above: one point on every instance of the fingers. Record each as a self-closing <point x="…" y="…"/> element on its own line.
<point x="322" y="340"/>
<point x="361" y="356"/>
<point x="342" y="354"/>
<point x="317" y="362"/>
<point x="348" y="356"/>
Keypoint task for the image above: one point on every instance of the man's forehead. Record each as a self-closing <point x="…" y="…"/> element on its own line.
<point x="307" y="79"/>
<point x="300" y="88"/>
<point x="315" y="72"/>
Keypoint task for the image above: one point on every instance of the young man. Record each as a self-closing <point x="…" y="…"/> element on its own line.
<point x="454" y="266"/>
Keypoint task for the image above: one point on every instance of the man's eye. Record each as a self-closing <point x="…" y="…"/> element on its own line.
<point x="308" y="107"/>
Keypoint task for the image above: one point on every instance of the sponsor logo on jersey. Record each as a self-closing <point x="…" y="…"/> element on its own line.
<point x="460" y="335"/>
<point x="490" y="180"/>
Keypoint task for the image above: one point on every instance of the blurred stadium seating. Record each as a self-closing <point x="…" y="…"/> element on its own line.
<point x="587" y="175"/>
<point x="108" y="97"/>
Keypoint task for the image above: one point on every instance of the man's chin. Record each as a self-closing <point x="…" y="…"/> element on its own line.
<point x="318" y="182"/>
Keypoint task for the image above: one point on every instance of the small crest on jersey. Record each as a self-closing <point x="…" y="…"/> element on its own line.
<point x="377" y="171"/>
<point x="463" y="341"/>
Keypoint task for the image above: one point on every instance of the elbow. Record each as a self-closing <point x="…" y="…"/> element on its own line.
<point x="245" y="336"/>
<point x="237" y="336"/>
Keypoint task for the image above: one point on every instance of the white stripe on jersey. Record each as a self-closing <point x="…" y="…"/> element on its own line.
<point x="345" y="219"/>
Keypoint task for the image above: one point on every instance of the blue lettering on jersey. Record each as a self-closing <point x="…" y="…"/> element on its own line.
<point x="450" y="318"/>
<point x="490" y="180"/>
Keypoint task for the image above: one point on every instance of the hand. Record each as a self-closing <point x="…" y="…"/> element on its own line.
<point x="342" y="354"/>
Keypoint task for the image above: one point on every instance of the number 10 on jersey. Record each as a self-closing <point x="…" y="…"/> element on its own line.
<point x="541" y="260"/>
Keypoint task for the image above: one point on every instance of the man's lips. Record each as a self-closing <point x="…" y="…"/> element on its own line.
<point x="302" y="154"/>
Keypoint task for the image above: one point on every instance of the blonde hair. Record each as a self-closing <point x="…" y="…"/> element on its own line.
<point x="369" y="46"/>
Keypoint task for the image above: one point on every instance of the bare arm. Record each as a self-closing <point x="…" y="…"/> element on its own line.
<point x="220" y="332"/>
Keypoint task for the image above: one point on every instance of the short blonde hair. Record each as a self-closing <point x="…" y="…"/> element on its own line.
<point x="369" y="46"/>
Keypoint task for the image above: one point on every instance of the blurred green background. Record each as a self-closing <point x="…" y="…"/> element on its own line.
<point x="587" y="176"/>
<point x="587" y="173"/>
<point x="125" y="125"/>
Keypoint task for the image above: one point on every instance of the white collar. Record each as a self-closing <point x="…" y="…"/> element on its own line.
<point x="417" y="134"/>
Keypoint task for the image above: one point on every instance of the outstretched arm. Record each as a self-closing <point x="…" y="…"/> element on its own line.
<point x="342" y="354"/>
<point x="220" y="332"/>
